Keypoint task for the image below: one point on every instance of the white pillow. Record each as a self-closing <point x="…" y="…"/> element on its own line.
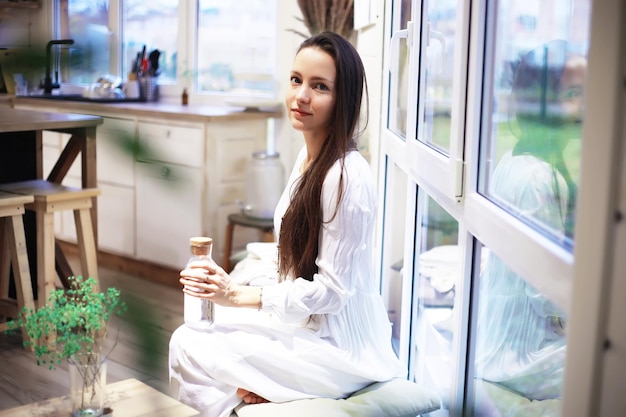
<point x="395" y="398"/>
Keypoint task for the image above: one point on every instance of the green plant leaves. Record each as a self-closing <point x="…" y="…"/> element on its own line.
<point x="72" y="321"/>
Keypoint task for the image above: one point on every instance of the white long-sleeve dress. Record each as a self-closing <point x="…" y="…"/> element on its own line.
<point x="326" y="338"/>
<point x="520" y="339"/>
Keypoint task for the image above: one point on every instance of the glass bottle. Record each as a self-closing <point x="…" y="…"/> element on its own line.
<point x="199" y="312"/>
<point x="185" y="97"/>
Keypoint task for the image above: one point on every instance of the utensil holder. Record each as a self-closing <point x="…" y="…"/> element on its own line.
<point x="149" y="88"/>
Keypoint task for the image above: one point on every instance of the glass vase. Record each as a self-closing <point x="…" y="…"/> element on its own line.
<point x="87" y="384"/>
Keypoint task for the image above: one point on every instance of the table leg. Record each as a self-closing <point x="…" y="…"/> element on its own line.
<point x="89" y="173"/>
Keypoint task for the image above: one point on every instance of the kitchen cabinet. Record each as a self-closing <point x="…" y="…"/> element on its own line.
<point x="195" y="177"/>
<point x="116" y="180"/>
<point x="169" y="191"/>
<point x="189" y="175"/>
<point x="116" y="218"/>
<point x="233" y="146"/>
<point x="115" y="172"/>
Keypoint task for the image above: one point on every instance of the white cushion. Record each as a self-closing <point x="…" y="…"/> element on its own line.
<point x="395" y="398"/>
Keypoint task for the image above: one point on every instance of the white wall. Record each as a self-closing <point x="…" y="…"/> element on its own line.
<point x="23" y="28"/>
<point x="288" y="141"/>
<point x="369" y="42"/>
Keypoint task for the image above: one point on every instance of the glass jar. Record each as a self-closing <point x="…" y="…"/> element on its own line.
<point x="264" y="184"/>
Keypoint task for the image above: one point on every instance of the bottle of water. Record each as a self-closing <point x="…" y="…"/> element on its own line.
<point x="199" y="312"/>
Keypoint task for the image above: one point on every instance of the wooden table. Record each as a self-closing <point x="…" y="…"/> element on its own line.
<point x="21" y="158"/>
<point x="128" y="398"/>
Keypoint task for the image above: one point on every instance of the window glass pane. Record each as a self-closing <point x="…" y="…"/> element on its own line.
<point x="438" y="61"/>
<point x="438" y="272"/>
<point x="237" y="46"/>
<point x="519" y="345"/>
<point x="399" y="78"/>
<point x="87" y="23"/>
<point x="155" y="26"/>
<point x="530" y="149"/>
<point x="393" y="249"/>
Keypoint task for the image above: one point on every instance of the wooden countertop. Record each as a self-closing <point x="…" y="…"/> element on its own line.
<point x="17" y="120"/>
<point x="162" y="110"/>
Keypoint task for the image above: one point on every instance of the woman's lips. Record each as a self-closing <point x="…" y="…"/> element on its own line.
<point x="300" y="112"/>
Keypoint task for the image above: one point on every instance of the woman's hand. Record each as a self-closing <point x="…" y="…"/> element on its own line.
<point x="205" y="279"/>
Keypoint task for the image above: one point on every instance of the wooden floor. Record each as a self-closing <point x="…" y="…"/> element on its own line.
<point x="139" y="342"/>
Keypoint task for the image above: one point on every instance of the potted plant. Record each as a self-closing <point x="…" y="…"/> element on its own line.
<point x="72" y="326"/>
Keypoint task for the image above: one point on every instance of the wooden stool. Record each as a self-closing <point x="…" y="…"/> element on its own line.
<point x="13" y="252"/>
<point x="265" y="225"/>
<point x="49" y="199"/>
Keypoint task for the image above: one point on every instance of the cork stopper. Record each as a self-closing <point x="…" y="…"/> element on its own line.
<point x="200" y="245"/>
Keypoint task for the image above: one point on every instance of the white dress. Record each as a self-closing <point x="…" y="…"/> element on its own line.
<point x="520" y="339"/>
<point x="327" y="338"/>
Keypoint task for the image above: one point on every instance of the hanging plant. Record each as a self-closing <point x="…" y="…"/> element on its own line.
<point x="327" y="15"/>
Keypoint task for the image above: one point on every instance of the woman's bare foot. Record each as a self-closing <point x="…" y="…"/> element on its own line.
<point x="250" y="397"/>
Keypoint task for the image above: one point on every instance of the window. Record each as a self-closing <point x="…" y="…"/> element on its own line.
<point x="531" y="146"/>
<point x="87" y="24"/>
<point x="519" y="342"/>
<point x="150" y="32"/>
<point x="436" y="282"/>
<point x="478" y="205"/>
<point x="439" y="63"/>
<point x="207" y="46"/>
<point x="394" y="289"/>
<point x="236" y="46"/>
<point x="399" y="70"/>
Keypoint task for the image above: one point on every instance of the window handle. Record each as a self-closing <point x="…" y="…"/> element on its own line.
<point x="394" y="45"/>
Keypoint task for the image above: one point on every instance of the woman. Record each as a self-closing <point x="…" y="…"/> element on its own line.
<point x="327" y="333"/>
<point x="521" y="333"/>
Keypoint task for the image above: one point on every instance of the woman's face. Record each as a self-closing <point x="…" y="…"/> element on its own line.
<point x="310" y="97"/>
<point x="571" y="96"/>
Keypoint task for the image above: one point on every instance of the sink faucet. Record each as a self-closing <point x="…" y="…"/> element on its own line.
<point x="47" y="84"/>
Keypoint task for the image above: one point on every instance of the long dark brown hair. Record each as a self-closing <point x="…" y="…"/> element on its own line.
<point x="298" y="243"/>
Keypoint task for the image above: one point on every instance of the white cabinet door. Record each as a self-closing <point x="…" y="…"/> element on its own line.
<point x="169" y="192"/>
<point x="169" y="212"/>
<point x="116" y="180"/>
<point x="114" y="148"/>
<point x="116" y="216"/>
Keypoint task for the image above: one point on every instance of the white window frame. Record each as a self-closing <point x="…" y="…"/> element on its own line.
<point x="525" y="250"/>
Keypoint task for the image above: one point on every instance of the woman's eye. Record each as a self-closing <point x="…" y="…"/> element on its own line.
<point x="322" y="87"/>
<point x="294" y="80"/>
<point x="571" y="93"/>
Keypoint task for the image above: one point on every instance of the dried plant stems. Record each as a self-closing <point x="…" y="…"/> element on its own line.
<point x="322" y="15"/>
